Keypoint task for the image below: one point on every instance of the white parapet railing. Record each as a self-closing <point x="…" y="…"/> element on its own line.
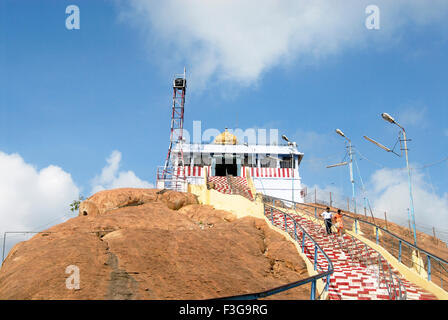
<point x="166" y="179"/>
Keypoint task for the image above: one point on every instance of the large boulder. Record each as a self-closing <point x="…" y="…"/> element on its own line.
<point x="151" y="251"/>
<point x="107" y="200"/>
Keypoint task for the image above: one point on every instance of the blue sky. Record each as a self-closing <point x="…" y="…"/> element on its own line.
<point x="69" y="98"/>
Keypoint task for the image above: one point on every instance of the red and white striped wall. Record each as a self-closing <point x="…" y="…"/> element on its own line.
<point x="197" y="171"/>
<point x="190" y="171"/>
<point x="268" y="172"/>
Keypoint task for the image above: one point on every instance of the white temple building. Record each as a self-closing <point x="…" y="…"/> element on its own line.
<point x="274" y="169"/>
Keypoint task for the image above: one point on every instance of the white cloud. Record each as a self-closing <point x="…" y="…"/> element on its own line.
<point x="239" y="40"/>
<point x="413" y="116"/>
<point x="34" y="200"/>
<point x="390" y="193"/>
<point x="111" y="177"/>
<point x="325" y="194"/>
<point x="30" y="197"/>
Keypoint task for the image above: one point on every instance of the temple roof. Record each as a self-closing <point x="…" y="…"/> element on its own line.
<point x="225" y="138"/>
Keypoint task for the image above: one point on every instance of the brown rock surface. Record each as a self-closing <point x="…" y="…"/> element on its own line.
<point x="136" y="246"/>
<point x="104" y="201"/>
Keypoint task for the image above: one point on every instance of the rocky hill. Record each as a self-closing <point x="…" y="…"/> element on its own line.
<point x="147" y="244"/>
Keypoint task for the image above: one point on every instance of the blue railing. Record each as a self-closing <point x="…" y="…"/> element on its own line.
<point x="436" y="268"/>
<point x="270" y="292"/>
<point x="368" y="256"/>
<point x="402" y="250"/>
<point x="363" y="254"/>
<point x="300" y="236"/>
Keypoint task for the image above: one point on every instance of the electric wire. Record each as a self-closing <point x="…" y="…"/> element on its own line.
<point x="374" y="162"/>
<point x="433" y="163"/>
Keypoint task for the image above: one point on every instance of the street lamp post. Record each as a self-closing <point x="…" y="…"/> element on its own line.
<point x="350" y="153"/>
<point x="390" y="119"/>
<point x="292" y="165"/>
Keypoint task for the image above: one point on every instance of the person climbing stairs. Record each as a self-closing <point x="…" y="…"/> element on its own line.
<point x="360" y="273"/>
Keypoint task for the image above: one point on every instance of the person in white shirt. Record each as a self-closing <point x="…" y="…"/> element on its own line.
<point x="327" y="215"/>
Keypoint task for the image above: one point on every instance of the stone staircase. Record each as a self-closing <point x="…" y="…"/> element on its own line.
<point x="231" y="185"/>
<point x="239" y="185"/>
<point x="358" y="270"/>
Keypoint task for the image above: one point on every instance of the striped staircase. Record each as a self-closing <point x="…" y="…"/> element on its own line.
<point x="355" y="277"/>
<point x="239" y="185"/>
<point x="220" y="184"/>
<point x="232" y="185"/>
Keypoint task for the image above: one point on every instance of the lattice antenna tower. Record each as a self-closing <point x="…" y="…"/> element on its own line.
<point x="177" y="126"/>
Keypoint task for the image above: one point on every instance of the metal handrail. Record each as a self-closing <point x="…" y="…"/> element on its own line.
<point x="389" y="282"/>
<point x="372" y="224"/>
<point x="363" y="254"/>
<point x="401" y="241"/>
<point x="270" y="292"/>
<point x="170" y="179"/>
<point x="312" y="279"/>
<point x="442" y="263"/>
<point x="306" y="234"/>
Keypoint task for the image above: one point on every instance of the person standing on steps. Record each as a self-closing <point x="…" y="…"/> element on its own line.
<point x="327" y="215"/>
<point x="338" y="221"/>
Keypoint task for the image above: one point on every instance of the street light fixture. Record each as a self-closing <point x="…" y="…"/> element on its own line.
<point x="290" y="143"/>
<point x="350" y="152"/>
<point x="339" y="132"/>
<point x="292" y="163"/>
<point x="387" y="117"/>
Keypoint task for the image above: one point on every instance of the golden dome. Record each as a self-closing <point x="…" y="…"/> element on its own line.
<point x="225" y="138"/>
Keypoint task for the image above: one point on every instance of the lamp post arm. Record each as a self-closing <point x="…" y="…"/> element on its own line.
<point x="352" y="180"/>
<point x="399" y="126"/>
<point x="411" y="200"/>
